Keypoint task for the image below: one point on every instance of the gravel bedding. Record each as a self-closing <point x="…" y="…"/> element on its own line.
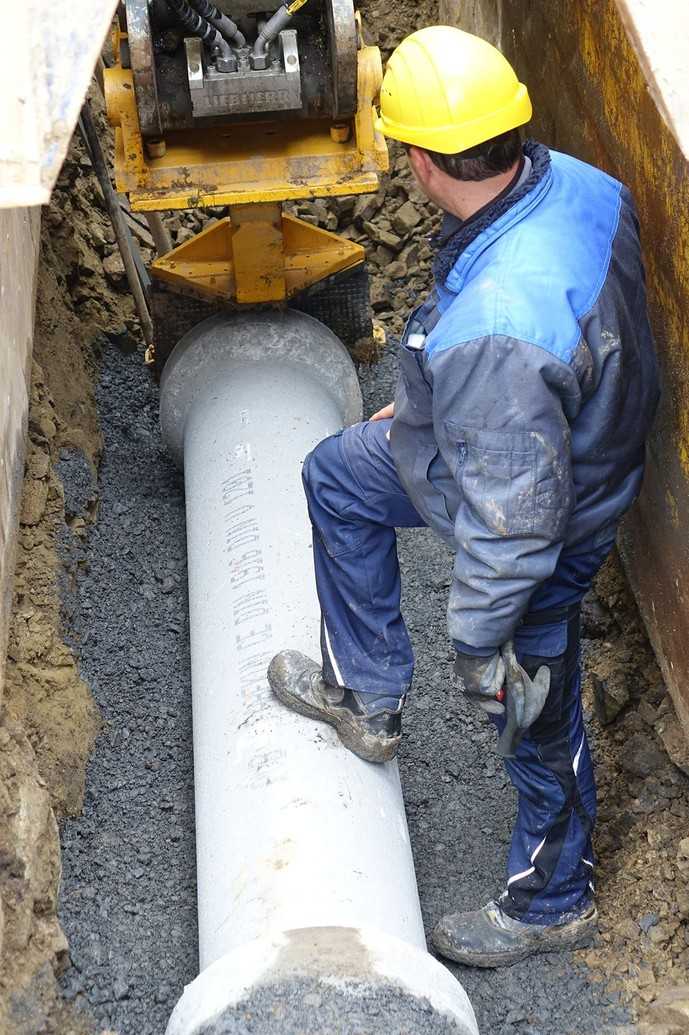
<point x="128" y="894"/>
<point x="308" y="1007"/>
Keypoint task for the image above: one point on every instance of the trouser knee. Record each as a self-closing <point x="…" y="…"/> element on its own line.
<point x="555" y="645"/>
<point x="319" y="468"/>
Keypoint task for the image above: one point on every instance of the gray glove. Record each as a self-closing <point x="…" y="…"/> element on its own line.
<point x="482" y="680"/>
<point x="525" y="699"/>
<point x="500" y="678"/>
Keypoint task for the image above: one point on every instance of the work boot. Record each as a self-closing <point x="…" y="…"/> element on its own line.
<point x="491" y="938"/>
<point x="370" y="725"/>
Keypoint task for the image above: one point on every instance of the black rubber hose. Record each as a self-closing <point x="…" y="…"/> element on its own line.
<point x="224" y="24"/>
<point x="204" y="8"/>
<point x="193" y="21"/>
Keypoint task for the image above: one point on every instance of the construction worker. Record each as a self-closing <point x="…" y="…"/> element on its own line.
<point x="527" y="388"/>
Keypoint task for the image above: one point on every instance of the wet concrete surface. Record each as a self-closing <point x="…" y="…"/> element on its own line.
<point x="128" y="898"/>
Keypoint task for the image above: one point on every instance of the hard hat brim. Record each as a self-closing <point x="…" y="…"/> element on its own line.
<point x="452" y="139"/>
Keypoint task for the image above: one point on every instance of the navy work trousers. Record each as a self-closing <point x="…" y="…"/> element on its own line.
<point x="355" y="502"/>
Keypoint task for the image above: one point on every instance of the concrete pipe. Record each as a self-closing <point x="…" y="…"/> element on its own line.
<point x="308" y="910"/>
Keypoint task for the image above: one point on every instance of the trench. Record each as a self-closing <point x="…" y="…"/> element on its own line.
<point x="127" y="901"/>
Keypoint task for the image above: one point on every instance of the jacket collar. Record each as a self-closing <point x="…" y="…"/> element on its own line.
<point x="459" y="251"/>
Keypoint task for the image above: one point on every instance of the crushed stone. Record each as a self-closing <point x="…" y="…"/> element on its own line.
<point x="309" y="1007"/>
<point x="128" y="894"/>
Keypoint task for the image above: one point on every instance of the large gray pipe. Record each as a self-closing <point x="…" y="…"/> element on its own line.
<point x="308" y="908"/>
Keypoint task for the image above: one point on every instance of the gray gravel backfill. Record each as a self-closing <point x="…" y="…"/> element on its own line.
<point x="128" y="899"/>
<point x="128" y="892"/>
<point x="308" y="1007"/>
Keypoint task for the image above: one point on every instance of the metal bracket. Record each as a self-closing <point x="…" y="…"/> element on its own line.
<point x="258" y="255"/>
<point x="245" y="90"/>
<point x="342" y="29"/>
<point x="142" y="57"/>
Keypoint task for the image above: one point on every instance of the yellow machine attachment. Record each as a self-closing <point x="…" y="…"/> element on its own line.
<point x="281" y="110"/>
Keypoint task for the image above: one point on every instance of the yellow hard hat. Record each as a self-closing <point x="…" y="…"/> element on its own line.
<point x="446" y="91"/>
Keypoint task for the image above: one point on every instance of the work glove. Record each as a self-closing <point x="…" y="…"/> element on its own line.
<point x="524" y="700"/>
<point x="500" y="686"/>
<point x="482" y="680"/>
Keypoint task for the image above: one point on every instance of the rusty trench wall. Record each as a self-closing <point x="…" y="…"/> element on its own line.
<point x="599" y="79"/>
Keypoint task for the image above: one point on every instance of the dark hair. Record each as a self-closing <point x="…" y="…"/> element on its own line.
<point x="490" y="158"/>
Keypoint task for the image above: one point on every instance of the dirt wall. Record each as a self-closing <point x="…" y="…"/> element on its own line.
<point x="48" y="721"/>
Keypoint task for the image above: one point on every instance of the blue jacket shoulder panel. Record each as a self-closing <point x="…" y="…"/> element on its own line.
<point x="536" y="271"/>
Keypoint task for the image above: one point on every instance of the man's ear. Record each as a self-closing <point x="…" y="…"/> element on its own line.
<point x="421" y="163"/>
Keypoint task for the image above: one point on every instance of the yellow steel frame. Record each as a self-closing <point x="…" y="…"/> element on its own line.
<point x="248" y="162"/>
<point x="259" y="254"/>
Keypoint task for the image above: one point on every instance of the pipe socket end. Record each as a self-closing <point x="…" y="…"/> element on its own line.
<point x="325" y="979"/>
<point x="228" y="346"/>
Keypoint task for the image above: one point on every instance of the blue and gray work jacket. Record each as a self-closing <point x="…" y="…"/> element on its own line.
<point x="527" y="388"/>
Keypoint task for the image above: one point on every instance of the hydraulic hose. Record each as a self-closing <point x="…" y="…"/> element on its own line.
<point x="225" y="26"/>
<point x="124" y="243"/>
<point x="194" y="23"/>
<point x="274" y="25"/>
<point x="207" y="33"/>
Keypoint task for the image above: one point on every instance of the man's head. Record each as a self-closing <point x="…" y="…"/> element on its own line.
<point x="456" y="104"/>
<point x="439" y="175"/>
<point x="492" y="157"/>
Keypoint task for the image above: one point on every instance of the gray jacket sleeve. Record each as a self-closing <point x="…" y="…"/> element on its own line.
<point x="501" y="410"/>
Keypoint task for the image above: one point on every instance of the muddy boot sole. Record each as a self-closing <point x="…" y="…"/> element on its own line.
<point x="578" y="934"/>
<point x="365" y="745"/>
